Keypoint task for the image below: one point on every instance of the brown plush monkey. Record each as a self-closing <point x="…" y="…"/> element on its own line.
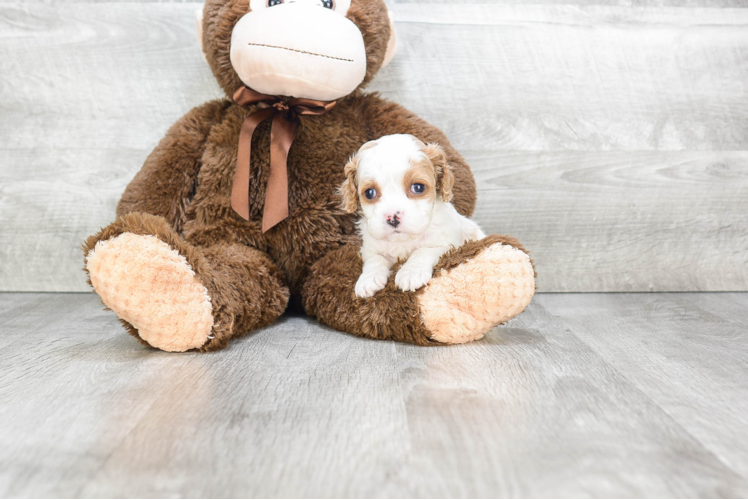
<point x="209" y="246"/>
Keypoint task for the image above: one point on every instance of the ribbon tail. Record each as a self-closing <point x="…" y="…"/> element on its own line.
<point x="282" y="135"/>
<point x="240" y="189"/>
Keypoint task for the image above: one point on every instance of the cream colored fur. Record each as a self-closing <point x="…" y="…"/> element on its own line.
<point x="341" y="9"/>
<point x="152" y="287"/>
<point x="392" y="42"/>
<point x="199" y="27"/>
<point x="456" y="304"/>
<point x="298" y="49"/>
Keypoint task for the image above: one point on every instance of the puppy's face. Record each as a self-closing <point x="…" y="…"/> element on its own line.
<point x="395" y="181"/>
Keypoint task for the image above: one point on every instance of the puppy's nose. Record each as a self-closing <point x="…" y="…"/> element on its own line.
<point x="394" y="219"/>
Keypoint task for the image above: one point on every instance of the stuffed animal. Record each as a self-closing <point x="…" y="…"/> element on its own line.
<point x="236" y="211"/>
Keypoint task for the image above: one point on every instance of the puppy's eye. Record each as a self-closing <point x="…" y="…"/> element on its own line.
<point x="273" y="3"/>
<point x="370" y="193"/>
<point x="328" y="4"/>
<point x="417" y="188"/>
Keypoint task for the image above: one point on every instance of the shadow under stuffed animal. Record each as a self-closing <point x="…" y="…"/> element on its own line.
<point x="237" y="210"/>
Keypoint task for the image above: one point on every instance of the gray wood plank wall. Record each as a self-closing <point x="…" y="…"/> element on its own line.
<point x="613" y="141"/>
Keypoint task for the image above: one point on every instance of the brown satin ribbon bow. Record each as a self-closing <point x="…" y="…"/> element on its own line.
<point x="285" y="113"/>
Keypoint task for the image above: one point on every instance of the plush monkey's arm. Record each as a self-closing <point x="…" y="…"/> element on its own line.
<point x="385" y="117"/>
<point x="167" y="180"/>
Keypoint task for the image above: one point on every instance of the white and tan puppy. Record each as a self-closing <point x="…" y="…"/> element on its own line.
<point x="403" y="188"/>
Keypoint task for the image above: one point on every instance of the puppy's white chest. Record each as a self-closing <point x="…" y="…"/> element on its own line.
<point x="402" y="250"/>
<point x="394" y="251"/>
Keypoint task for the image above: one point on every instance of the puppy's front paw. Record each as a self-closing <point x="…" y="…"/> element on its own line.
<point x="370" y="283"/>
<point x="412" y="277"/>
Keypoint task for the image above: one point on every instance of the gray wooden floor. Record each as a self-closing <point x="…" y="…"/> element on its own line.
<point x="582" y="395"/>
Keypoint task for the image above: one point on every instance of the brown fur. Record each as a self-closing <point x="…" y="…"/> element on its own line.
<point x="421" y="172"/>
<point x="365" y="186"/>
<point x="349" y="188"/>
<point x="182" y="196"/>
<point x="445" y="177"/>
<point x="228" y="271"/>
<point x="391" y="314"/>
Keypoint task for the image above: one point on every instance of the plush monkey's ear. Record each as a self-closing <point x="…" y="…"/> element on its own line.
<point x="445" y="179"/>
<point x="199" y="26"/>
<point x="349" y="190"/>
<point x="392" y="43"/>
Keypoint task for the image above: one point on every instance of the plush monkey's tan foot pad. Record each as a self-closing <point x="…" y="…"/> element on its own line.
<point x="462" y="304"/>
<point x="152" y="287"/>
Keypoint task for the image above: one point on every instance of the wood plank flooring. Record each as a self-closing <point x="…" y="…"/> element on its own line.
<point x="611" y="140"/>
<point x="590" y="395"/>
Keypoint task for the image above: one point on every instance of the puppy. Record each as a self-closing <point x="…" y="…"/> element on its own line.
<point x="403" y="188"/>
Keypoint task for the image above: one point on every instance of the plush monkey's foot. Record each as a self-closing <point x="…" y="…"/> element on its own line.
<point x="152" y="287"/>
<point x="463" y="302"/>
<point x="474" y="288"/>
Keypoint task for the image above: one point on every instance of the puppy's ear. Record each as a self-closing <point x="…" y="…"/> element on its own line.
<point x="445" y="179"/>
<point x="348" y="190"/>
<point x="447" y="183"/>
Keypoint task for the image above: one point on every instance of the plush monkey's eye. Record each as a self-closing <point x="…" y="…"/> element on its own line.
<point x="370" y="193"/>
<point x="273" y="3"/>
<point x="328" y="4"/>
<point x="417" y="188"/>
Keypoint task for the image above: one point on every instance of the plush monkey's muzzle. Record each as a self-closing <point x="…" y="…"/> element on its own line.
<point x="299" y="50"/>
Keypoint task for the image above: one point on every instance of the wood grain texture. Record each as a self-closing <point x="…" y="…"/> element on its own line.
<point x="529" y="77"/>
<point x="687" y="352"/>
<point x="616" y="3"/>
<point x="540" y="408"/>
<point x="86" y="92"/>
<point x="611" y="140"/>
<point x="622" y="221"/>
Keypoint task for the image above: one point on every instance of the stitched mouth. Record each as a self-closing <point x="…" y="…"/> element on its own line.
<point x="300" y="51"/>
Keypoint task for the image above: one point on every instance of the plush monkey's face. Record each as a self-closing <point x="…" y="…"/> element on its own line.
<point x="316" y="49"/>
<point x="300" y="48"/>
